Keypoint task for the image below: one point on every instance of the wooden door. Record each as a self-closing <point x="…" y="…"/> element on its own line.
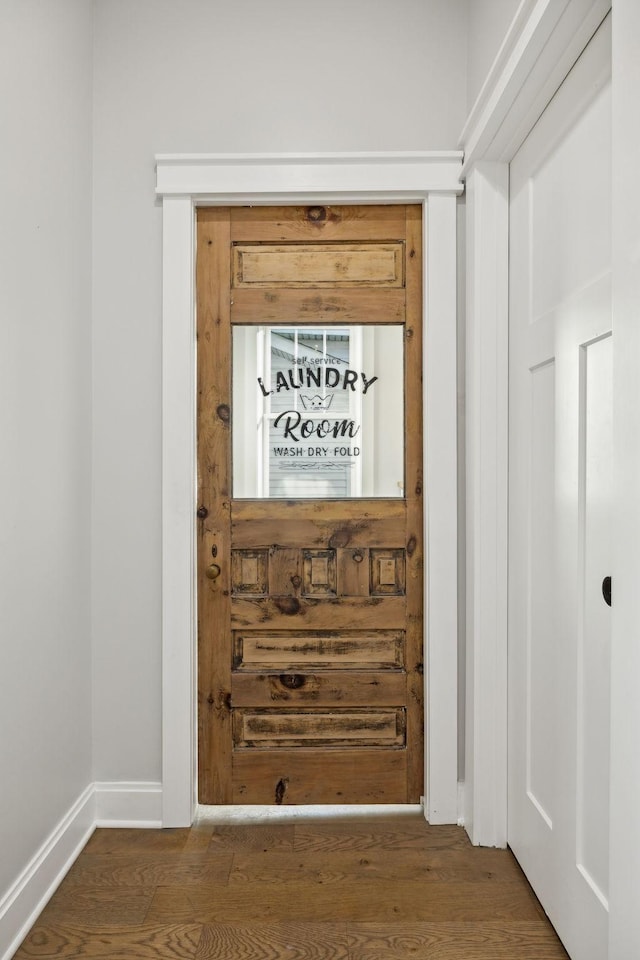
<point x="560" y="375"/>
<point x="310" y="602"/>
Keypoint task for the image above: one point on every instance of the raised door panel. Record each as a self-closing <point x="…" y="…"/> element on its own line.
<point x="295" y="650"/>
<point x="318" y="265"/>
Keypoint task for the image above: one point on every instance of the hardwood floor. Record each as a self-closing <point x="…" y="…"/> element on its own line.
<point x="393" y="888"/>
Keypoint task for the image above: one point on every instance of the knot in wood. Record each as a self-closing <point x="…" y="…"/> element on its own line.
<point x="281" y="789"/>
<point x="317" y="214"/>
<point x="288" y="605"/>
<point x="340" y="538"/>
<point x="292" y="681"/>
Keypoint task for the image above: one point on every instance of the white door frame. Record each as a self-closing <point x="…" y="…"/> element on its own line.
<point x="186" y="181"/>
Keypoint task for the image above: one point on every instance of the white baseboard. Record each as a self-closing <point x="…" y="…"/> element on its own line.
<point x="111" y="804"/>
<point x="29" y="894"/>
<point x="125" y="804"/>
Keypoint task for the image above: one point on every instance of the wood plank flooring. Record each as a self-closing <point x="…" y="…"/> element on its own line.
<point x="393" y="888"/>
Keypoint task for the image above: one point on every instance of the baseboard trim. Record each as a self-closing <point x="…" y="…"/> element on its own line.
<point x="110" y="804"/>
<point x="27" y="897"/>
<point x="128" y="804"/>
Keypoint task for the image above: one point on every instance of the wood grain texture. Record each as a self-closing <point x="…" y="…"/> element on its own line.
<point x="313" y="529"/>
<point x="275" y="729"/>
<point x="274" y="941"/>
<point x="249" y="571"/>
<point x="353" y="572"/>
<point x="284" y="567"/>
<point x="146" y="942"/>
<point x="118" y="906"/>
<point x="357" y="688"/>
<point x="319" y="573"/>
<point x="256" y="838"/>
<point x="387" y="572"/>
<point x="350" y="888"/>
<point x="116" y="870"/>
<point x="317" y="265"/>
<point x="276" y="866"/>
<point x="199" y="837"/>
<point x="265" y="650"/>
<point x="524" y="940"/>
<point x="361" y="775"/>
<point x="214" y="491"/>
<point x="403" y="900"/>
<point x="414" y="493"/>
<point x="280" y="305"/>
<point x="313" y="223"/>
<point x="352" y="517"/>
<point x="141" y="842"/>
<point x="384" y="835"/>
<point x="310" y="613"/>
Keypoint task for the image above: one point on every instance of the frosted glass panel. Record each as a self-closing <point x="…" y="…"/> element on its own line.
<point x="318" y="412"/>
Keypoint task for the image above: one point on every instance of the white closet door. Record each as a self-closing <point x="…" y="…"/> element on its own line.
<point x="560" y="496"/>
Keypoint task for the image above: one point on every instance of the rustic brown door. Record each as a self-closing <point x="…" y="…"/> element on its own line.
<point x="310" y="552"/>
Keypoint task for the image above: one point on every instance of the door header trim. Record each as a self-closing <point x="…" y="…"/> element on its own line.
<point x="545" y="39"/>
<point x="273" y="178"/>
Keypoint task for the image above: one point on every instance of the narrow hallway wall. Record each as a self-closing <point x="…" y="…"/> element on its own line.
<point x="45" y="420"/>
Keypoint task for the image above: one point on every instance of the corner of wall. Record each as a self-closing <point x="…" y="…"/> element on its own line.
<point x="36" y="884"/>
<point x="116" y="804"/>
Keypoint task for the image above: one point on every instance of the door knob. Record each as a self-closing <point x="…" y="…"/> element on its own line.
<point x="213" y="571"/>
<point x="606" y="590"/>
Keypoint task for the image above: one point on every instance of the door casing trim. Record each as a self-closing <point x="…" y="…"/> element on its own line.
<point x="187" y="181"/>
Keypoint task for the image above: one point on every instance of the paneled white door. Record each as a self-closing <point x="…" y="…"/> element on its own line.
<point x="560" y="437"/>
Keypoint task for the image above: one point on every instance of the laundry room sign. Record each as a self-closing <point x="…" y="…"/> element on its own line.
<point x="325" y="405"/>
<point x="309" y="421"/>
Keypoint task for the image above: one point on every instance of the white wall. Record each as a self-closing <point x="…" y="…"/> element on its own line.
<point x="488" y="23"/>
<point x="462" y="466"/>
<point x="45" y="404"/>
<point x="213" y="76"/>
<point x="624" y="925"/>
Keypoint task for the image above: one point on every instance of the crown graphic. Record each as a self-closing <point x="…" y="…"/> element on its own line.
<point x="316" y="402"/>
